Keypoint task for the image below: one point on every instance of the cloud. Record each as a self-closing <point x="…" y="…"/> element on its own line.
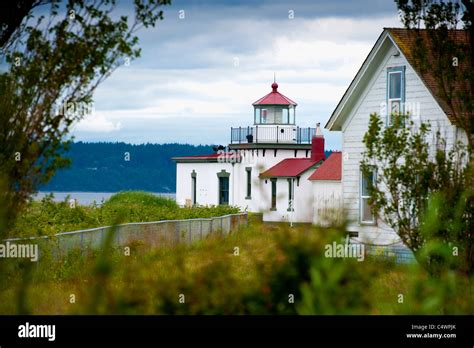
<point x="186" y="86"/>
<point x="97" y="123"/>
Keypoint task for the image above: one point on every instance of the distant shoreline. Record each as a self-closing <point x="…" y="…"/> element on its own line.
<point x="113" y="192"/>
<point x="89" y="197"/>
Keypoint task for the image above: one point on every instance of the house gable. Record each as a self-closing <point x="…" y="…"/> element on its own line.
<point x="387" y="42"/>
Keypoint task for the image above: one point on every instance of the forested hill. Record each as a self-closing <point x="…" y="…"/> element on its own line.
<point x="102" y="167"/>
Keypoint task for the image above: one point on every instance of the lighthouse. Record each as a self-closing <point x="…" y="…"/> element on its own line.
<point x="265" y="167"/>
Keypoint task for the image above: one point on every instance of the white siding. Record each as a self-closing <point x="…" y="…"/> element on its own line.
<point x="303" y="200"/>
<point x="207" y="184"/>
<point x="327" y="202"/>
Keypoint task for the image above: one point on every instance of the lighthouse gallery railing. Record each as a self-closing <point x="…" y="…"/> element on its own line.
<point x="272" y="134"/>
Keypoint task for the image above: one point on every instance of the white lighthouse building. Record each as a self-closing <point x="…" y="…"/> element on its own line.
<point x="265" y="168"/>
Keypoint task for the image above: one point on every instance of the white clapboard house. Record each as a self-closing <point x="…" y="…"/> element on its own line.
<point x="265" y="168"/>
<point x="387" y="80"/>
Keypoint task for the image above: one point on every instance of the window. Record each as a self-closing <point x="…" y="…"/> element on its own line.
<point x="257" y="116"/>
<point x="286" y="116"/>
<point x="291" y="195"/>
<point x="366" y="214"/>
<point x="263" y="115"/>
<point x="274" y="194"/>
<point x="193" y="187"/>
<point x="223" y="177"/>
<point x="277" y="115"/>
<point x="292" y="114"/>
<point x="249" y="182"/>
<point x="224" y="190"/>
<point x="395" y="92"/>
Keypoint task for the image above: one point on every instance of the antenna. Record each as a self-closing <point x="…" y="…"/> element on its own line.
<point x="274" y="77"/>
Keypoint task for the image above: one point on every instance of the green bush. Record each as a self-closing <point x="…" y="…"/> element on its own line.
<point x="139" y="198"/>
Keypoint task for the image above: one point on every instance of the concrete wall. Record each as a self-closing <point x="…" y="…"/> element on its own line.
<point x="152" y="234"/>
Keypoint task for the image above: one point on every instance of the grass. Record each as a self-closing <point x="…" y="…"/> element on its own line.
<point x="273" y="261"/>
<point x="48" y="217"/>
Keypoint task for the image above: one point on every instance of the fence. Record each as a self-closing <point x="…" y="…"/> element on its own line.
<point x="153" y="234"/>
<point x="400" y="254"/>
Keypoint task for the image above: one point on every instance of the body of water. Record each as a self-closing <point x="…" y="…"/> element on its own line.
<point x="86" y="198"/>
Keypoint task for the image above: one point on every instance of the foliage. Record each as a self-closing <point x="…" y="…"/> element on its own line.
<point x="48" y="217"/>
<point x="100" y="167"/>
<point x="138" y="199"/>
<point x="273" y="262"/>
<point x="435" y="51"/>
<point x="53" y="68"/>
<point x="412" y="174"/>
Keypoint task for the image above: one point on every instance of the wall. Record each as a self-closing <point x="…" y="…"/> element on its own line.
<point x="152" y="234"/>
<point x="207" y="182"/>
<point x="327" y="202"/>
<point x="303" y="200"/>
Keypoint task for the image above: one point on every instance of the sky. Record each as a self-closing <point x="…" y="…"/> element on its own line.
<point x="198" y="76"/>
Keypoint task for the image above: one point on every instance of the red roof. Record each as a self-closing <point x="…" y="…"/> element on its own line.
<point x="290" y="167"/>
<point x="274" y="98"/>
<point x="331" y="168"/>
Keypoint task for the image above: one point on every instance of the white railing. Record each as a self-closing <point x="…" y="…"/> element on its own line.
<point x="280" y="134"/>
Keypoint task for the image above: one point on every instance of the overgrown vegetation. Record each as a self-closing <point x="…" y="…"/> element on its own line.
<point x="48" y="217"/>
<point x="422" y="190"/>
<point x="444" y="51"/>
<point x="274" y="264"/>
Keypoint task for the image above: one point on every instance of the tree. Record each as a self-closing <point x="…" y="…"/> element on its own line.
<point x="440" y="52"/>
<point x="54" y="66"/>
<point x="422" y="191"/>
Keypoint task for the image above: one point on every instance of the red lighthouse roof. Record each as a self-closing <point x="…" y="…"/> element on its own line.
<point x="274" y="98"/>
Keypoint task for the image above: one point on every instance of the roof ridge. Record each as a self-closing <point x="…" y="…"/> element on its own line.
<point x="418" y="29"/>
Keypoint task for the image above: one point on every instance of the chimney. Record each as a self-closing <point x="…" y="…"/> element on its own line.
<point x="317" y="145"/>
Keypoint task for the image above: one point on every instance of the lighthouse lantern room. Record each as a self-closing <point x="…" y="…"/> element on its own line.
<point x="274" y="109"/>
<point x="274" y="122"/>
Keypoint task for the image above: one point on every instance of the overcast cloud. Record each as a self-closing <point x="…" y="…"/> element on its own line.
<point x="198" y="76"/>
